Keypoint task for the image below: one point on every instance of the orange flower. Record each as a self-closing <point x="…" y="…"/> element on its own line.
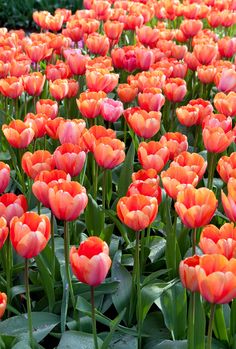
<point x="227" y="46"/>
<point x="113" y="30"/>
<point x="91" y="136"/>
<point x="69" y="158"/>
<point x="52" y="127"/>
<point x="77" y="62"/>
<point x="175" y="179"/>
<point x="195" y="207"/>
<point x="221" y="241"/>
<point x="3" y="303"/>
<point x="30" y="234"/>
<point x="187" y="273"/>
<point x="97" y="44"/>
<point x="33" y="163"/>
<point x="149" y="187"/>
<point x="4" y="69"/>
<point x="145" y="174"/>
<point x="191" y="161"/>
<point x="148" y="79"/>
<point x="137" y="211"/>
<point x="4" y="176"/>
<point x="147" y="36"/>
<point x="11" y="87"/>
<point x="18" y="134"/>
<point x="109" y="152"/>
<point x="191" y="61"/>
<point x="102" y="9"/>
<point x="176" y="142"/>
<point x="33" y="83"/>
<point x="175" y="89"/>
<point x="59" y="88"/>
<point x="46" y="179"/>
<point x="226" y="104"/>
<point x="226" y="167"/>
<point x="144" y="57"/>
<point x="206" y="73"/>
<point x="179" y="51"/>
<point x="217" y="278"/>
<point x="206" y="53"/>
<point x="101" y="80"/>
<point x="144" y="124"/>
<point x="37" y="51"/>
<point x="126" y="92"/>
<point x="19" y="67"/>
<point x="89" y="103"/>
<point x="12" y="205"/>
<point x="91" y="262"/>
<point x="226" y="80"/>
<point x="187" y="115"/>
<point x="151" y="99"/>
<point x="229" y="202"/>
<point x="48" y="107"/>
<point x="70" y="131"/>
<point x="67" y="200"/>
<point x="190" y="27"/>
<point x="60" y="70"/>
<point x="3" y="233"/>
<point x="73" y="88"/>
<point x="37" y="122"/>
<point x="153" y="155"/>
<point x="205" y="108"/>
<point x="216" y="140"/>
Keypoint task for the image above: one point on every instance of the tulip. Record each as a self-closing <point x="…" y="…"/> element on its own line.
<point x="67" y="200"/>
<point x="12" y="205"/>
<point x="91" y="136"/>
<point x="195" y="207"/>
<point x="3" y="232"/>
<point x="73" y="88"/>
<point x="226" y="167"/>
<point x="149" y="187"/>
<point x="229" y="202"/>
<point x="187" y="273"/>
<point x="190" y="27"/>
<point x="4" y="176"/>
<point x="205" y="54"/>
<point x="97" y="44"/>
<point x="30" y="234"/>
<point x="175" y="89"/>
<point x="187" y="115"/>
<point x="101" y="80"/>
<point x="69" y="158"/>
<point x="89" y="103"/>
<point x="36" y="51"/>
<point x="226" y="81"/>
<point x="205" y="108"/>
<point x="3" y="303"/>
<point x="109" y="152"/>
<point x="58" y="71"/>
<point x="219" y="241"/>
<point x="48" y="107"/>
<point x="226" y="104"/>
<point x="59" y="88"/>
<point x="46" y="179"/>
<point x="33" y="163"/>
<point x="111" y="110"/>
<point x="144" y="174"/>
<point x="145" y="124"/>
<point x="153" y="155"/>
<point x="18" y="134"/>
<point x="33" y="83"/>
<point x="176" y="142"/>
<point x="191" y="161"/>
<point x="70" y="131"/>
<point x="151" y="99"/>
<point x="147" y="36"/>
<point x="126" y="92"/>
<point x="77" y="62"/>
<point x="91" y="262"/>
<point x="52" y="127"/>
<point x="11" y="87"/>
<point x="38" y="123"/>
<point x="216" y="140"/>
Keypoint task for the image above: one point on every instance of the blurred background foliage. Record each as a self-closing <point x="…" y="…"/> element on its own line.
<point x="18" y="13"/>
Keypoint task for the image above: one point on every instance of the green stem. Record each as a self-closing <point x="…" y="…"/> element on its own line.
<point x="95" y="179"/>
<point x="197" y="133"/>
<point x="27" y="289"/>
<point x="194" y="241"/>
<point x="142" y="257"/>
<point x="67" y="265"/>
<point x="148" y="235"/>
<point x="211" y="169"/>
<point x="191" y="320"/>
<point x="104" y="190"/>
<point x="138" y="288"/>
<point x="210" y="326"/>
<point x="8" y="267"/>
<point x="53" y="246"/>
<point x="39" y="207"/>
<point x="16" y="107"/>
<point x="95" y="338"/>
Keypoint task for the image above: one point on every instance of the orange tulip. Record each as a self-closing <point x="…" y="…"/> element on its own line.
<point x="46" y="179"/>
<point x="97" y="44"/>
<point x="58" y="71"/>
<point x="48" y="107"/>
<point x="205" y="108"/>
<point x="33" y="163"/>
<point x="4" y="69"/>
<point x="229" y="202"/>
<point x="77" y="62"/>
<point x="33" y="83"/>
<point x="226" y="104"/>
<point x="176" y="142"/>
<point x="37" y="51"/>
<point x="3" y="232"/>
<point x="30" y="234"/>
<point x="109" y="152"/>
<point x="52" y="127"/>
<point x="153" y="155"/>
<point x="147" y="36"/>
<point x="70" y="131"/>
<point x="137" y="211"/>
<point x="216" y="140"/>
<point x="217" y="278"/>
<point x="91" y="136"/>
<point x="12" y="205"/>
<point x="126" y="92"/>
<point x="206" y="73"/>
<point x="191" y="161"/>
<point x="11" y="87"/>
<point x="187" y="273"/>
<point x="190" y="27"/>
<point x="226" y="167"/>
<point x="101" y="9"/>
<point x="37" y="122"/>
<point x="113" y="30"/>
<point x="89" y="103"/>
<point x="191" y="60"/>
<point x="3" y="303"/>
<point x="19" y="67"/>
<point x="175" y="179"/>
<point x="18" y="134"/>
<point x="206" y="53"/>
<point x="69" y="158"/>
<point x="4" y="176"/>
<point x="67" y="200"/>
<point x="101" y="80"/>
<point x="59" y="88"/>
<point x="195" y="207"/>
<point x="221" y="241"/>
<point x="151" y="99"/>
<point x="175" y="89"/>
<point x="227" y="46"/>
<point x="149" y="187"/>
<point x="73" y="88"/>
<point x="187" y="115"/>
<point x="142" y="175"/>
<point x="91" y="262"/>
<point x="226" y="80"/>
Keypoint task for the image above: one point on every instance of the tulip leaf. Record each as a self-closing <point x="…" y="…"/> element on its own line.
<point x="173" y="304"/>
<point x="94" y="217"/>
<point x="196" y="322"/>
<point x="219" y="325"/>
<point x="126" y="172"/>
<point x="121" y="297"/>
<point x="75" y="339"/>
<point x="43" y="323"/>
<point x="113" y="326"/>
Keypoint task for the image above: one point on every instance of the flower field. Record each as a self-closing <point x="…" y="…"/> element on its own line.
<point x="118" y="177"/>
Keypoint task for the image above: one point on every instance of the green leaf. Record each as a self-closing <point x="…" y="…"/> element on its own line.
<point x="94" y="217"/>
<point x="121" y="341"/>
<point x="126" y="172"/>
<point x="172" y="345"/>
<point x="22" y="345"/>
<point x="157" y="248"/>
<point x="121" y="297"/>
<point x="196" y="322"/>
<point x="113" y="327"/>
<point x="219" y="325"/>
<point x="173" y="304"/>
<point x="43" y="323"/>
<point x="151" y="293"/>
<point x="233" y="318"/>
<point x="74" y="339"/>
